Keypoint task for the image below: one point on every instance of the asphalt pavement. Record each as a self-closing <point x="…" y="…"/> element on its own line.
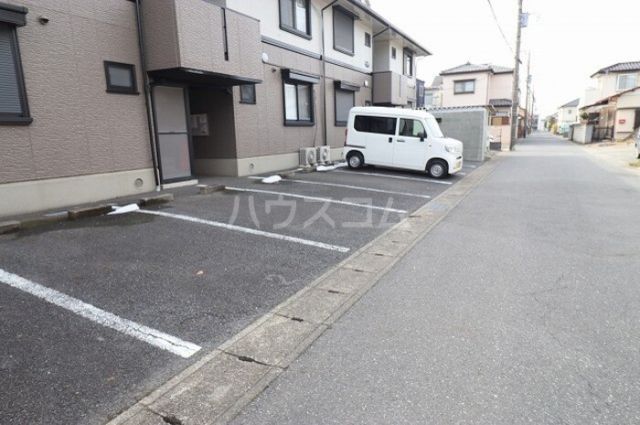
<point x="94" y="311"/>
<point x="521" y="306"/>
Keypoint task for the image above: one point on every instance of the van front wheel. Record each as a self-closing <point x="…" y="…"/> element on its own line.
<point x="355" y="160"/>
<point x="438" y="169"/>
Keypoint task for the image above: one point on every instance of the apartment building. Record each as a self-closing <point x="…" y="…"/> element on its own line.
<point x="107" y="98"/>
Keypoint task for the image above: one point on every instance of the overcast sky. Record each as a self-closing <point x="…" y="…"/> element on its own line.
<point x="569" y="39"/>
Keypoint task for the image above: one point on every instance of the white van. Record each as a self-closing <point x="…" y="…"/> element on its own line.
<point x="400" y="138"/>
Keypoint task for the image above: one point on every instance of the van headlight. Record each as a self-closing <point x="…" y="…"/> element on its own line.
<point x="451" y="148"/>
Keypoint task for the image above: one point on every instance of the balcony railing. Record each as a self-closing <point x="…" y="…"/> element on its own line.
<point x="391" y="88"/>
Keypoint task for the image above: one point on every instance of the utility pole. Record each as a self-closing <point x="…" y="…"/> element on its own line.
<point x="527" y="112"/>
<point x="515" y="98"/>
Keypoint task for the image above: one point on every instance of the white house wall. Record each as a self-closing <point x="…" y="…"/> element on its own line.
<point x="269" y="15"/>
<point x="479" y="97"/>
<point x="500" y="86"/>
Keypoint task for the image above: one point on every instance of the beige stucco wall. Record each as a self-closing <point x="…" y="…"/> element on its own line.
<point x="78" y="128"/>
<point x="606" y="85"/>
<point x="189" y="34"/>
<point x="629" y="100"/>
<point x="260" y="128"/>
<point x="500" y="86"/>
<point x="623" y="130"/>
<point x="479" y="97"/>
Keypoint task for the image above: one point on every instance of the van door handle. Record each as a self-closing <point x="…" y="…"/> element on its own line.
<point x="390" y="139"/>
<point x="400" y="140"/>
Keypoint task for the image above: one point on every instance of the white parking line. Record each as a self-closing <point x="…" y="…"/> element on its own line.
<point x="247" y="230"/>
<point x="314" y="198"/>
<point x="391" y="176"/>
<point x="143" y="333"/>
<point x="347" y="186"/>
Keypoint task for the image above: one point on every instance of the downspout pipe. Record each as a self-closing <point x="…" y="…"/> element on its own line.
<point x="147" y="96"/>
<point x="324" y="76"/>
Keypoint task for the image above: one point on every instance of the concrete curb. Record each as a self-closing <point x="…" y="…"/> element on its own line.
<point x="77" y="213"/>
<point x="246" y="364"/>
<point x="156" y="200"/>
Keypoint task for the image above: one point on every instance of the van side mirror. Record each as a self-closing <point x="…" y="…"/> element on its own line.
<point x="423" y="136"/>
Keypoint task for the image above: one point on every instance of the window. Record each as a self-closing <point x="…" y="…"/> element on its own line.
<point x="626" y="81"/>
<point x="408" y="63"/>
<point x="345" y="100"/>
<point x="393" y="53"/>
<point x="343" y="31"/>
<point x="13" y="101"/>
<point x="248" y="94"/>
<point x="464" y="87"/>
<point x="428" y="99"/>
<point x="121" y="78"/>
<point x="295" y="17"/>
<point x="411" y="128"/>
<point x="380" y="125"/>
<point x="298" y="103"/>
<point x="367" y="39"/>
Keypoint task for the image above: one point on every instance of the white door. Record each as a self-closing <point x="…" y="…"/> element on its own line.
<point x="410" y="148"/>
<point x="174" y="146"/>
<point x="379" y="134"/>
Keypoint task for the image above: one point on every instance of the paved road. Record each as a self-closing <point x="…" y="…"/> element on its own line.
<point x="175" y="273"/>
<point x="522" y="306"/>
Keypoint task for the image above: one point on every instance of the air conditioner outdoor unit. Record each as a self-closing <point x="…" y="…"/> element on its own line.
<point x="324" y="154"/>
<point x="308" y="157"/>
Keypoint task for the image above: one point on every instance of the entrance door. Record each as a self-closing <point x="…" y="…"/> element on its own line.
<point x="411" y="146"/>
<point x="174" y="144"/>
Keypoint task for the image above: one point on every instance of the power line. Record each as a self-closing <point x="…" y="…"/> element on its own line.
<point x="495" y="17"/>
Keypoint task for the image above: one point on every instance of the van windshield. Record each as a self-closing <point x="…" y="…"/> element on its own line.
<point x="433" y="127"/>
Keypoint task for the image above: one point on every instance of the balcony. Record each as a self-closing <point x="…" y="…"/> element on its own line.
<point x="391" y="88"/>
<point x="197" y="41"/>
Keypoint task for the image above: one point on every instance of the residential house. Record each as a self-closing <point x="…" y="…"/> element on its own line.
<point x="482" y="85"/>
<point x="107" y="98"/>
<point x="433" y="93"/>
<point x="567" y="115"/>
<point x="614" y="106"/>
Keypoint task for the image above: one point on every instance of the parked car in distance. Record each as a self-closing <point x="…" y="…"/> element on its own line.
<point x="400" y="138"/>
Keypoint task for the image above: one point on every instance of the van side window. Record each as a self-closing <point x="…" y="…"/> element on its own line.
<point x="411" y="128"/>
<point x="380" y="125"/>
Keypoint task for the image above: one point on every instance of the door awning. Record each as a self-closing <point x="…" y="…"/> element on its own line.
<point x="291" y="75"/>
<point x="16" y="15"/>
<point x="344" y="85"/>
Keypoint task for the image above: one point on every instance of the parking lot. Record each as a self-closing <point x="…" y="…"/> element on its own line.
<point x="98" y="312"/>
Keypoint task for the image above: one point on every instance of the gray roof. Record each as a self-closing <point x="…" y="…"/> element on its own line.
<point x="437" y="81"/>
<point x="571" y="104"/>
<point x="500" y="102"/>
<point x="619" y="67"/>
<point x="470" y="67"/>
<point x="422" y="51"/>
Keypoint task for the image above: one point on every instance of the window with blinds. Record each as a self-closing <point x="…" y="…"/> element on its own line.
<point x="343" y="29"/>
<point x="13" y="102"/>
